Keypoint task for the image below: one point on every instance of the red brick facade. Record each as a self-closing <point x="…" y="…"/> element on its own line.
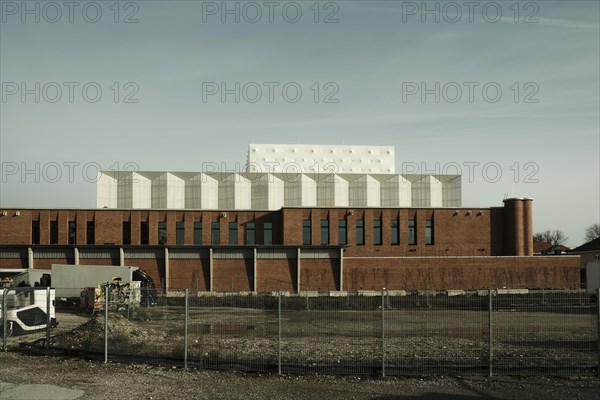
<point x="469" y="248"/>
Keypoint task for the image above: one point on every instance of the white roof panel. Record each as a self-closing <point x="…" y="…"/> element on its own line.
<point x="321" y="158"/>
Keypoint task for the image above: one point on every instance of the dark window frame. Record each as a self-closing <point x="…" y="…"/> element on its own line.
<point x="429" y="232"/>
<point x="53" y="232"/>
<point x="306" y="232"/>
<point x="197" y="233"/>
<point x="180" y="232"/>
<point x="394" y="232"/>
<point x="360" y="232"/>
<point x="324" y="232"/>
<point x="90" y="232"/>
<point x="215" y="233"/>
<point x="126" y="232"/>
<point x="412" y="231"/>
<point x="233" y="233"/>
<point x="268" y="233"/>
<point x="35" y="232"/>
<point x="144" y="232"/>
<point x="377" y="232"/>
<point x="162" y="231"/>
<point x="342" y="232"/>
<point x="250" y="233"/>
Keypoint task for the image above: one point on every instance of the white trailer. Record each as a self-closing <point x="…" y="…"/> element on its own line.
<point x="69" y="280"/>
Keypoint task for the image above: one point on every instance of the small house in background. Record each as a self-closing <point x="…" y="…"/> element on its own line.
<point x="548" y="249"/>
<point x="587" y="252"/>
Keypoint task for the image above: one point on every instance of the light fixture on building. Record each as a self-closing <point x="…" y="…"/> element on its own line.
<point x="480" y="213"/>
<point x="4" y="213"/>
<point x="223" y="215"/>
<point x="456" y="212"/>
<point x="350" y="212"/>
<point x="468" y="213"/>
<point x="17" y="213"/>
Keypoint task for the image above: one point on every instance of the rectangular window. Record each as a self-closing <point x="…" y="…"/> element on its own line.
<point x="268" y="232"/>
<point x="250" y="233"/>
<point x="126" y="232"/>
<point x="72" y="232"/>
<point x="306" y="232"/>
<point x="233" y="232"/>
<point x="144" y="232"/>
<point x="197" y="232"/>
<point x="429" y="231"/>
<point x="90" y="232"/>
<point x="342" y="237"/>
<point x="324" y="231"/>
<point x="53" y="232"/>
<point x="162" y="232"/>
<point x="377" y="232"/>
<point x="35" y="232"/>
<point x="180" y="232"/>
<point x="395" y="235"/>
<point x="412" y="236"/>
<point x="216" y="233"/>
<point x="360" y="232"/>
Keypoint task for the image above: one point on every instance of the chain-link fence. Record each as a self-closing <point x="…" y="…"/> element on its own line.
<point x="376" y="333"/>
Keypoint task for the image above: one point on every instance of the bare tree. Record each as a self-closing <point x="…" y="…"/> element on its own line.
<point x="592" y="232"/>
<point x="538" y="237"/>
<point x="555" y="237"/>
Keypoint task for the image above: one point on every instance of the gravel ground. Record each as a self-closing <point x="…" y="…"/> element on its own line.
<point x="131" y="381"/>
<point x="348" y="340"/>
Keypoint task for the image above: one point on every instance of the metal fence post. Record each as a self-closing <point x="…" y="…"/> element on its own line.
<point x="47" y="320"/>
<point x="106" y="324"/>
<point x="279" y="334"/>
<point x="4" y="318"/>
<point x="491" y="336"/>
<point x="185" y="331"/>
<point x="383" y="332"/>
<point x="598" y="329"/>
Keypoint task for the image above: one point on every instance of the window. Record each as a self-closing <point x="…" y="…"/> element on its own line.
<point x="90" y="232"/>
<point x="216" y="232"/>
<point x="360" y="232"/>
<point x="342" y="238"/>
<point x="395" y="234"/>
<point x="35" y="232"/>
<point x="324" y="231"/>
<point x="197" y="232"/>
<point x="53" y="232"/>
<point x="429" y="231"/>
<point x="233" y="232"/>
<point x="144" y="232"/>
<point x="162" y="232"/>
<point x="250" y="233"/>
<point x="412" y="237"/>
<point x="268" y="232"/>
<point x="180" y="232"/>
<point x="126" y="232"/>
<point x="72" y="232"/>
<point x="377" y="232"/>
<point x="306" y="232"/>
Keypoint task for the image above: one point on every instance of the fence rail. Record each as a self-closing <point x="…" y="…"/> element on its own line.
<point x="375" y="333"/>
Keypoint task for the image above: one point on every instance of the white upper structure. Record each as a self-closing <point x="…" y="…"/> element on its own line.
<point x="321" y="159"/>
<point x="285" y="176"/>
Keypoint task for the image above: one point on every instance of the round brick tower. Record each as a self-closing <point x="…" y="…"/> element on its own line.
<point x="518" y="227"/>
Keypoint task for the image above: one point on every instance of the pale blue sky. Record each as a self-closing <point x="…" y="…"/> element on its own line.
<point x="369" y="55"/>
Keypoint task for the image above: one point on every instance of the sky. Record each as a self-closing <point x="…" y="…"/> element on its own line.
<point x="506" y="93"/>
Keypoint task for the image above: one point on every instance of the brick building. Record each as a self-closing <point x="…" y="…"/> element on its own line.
<point x="295" y="248"/>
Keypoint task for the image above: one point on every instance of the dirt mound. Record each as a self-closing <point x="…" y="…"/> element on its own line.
<point x="90" y="335"/>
